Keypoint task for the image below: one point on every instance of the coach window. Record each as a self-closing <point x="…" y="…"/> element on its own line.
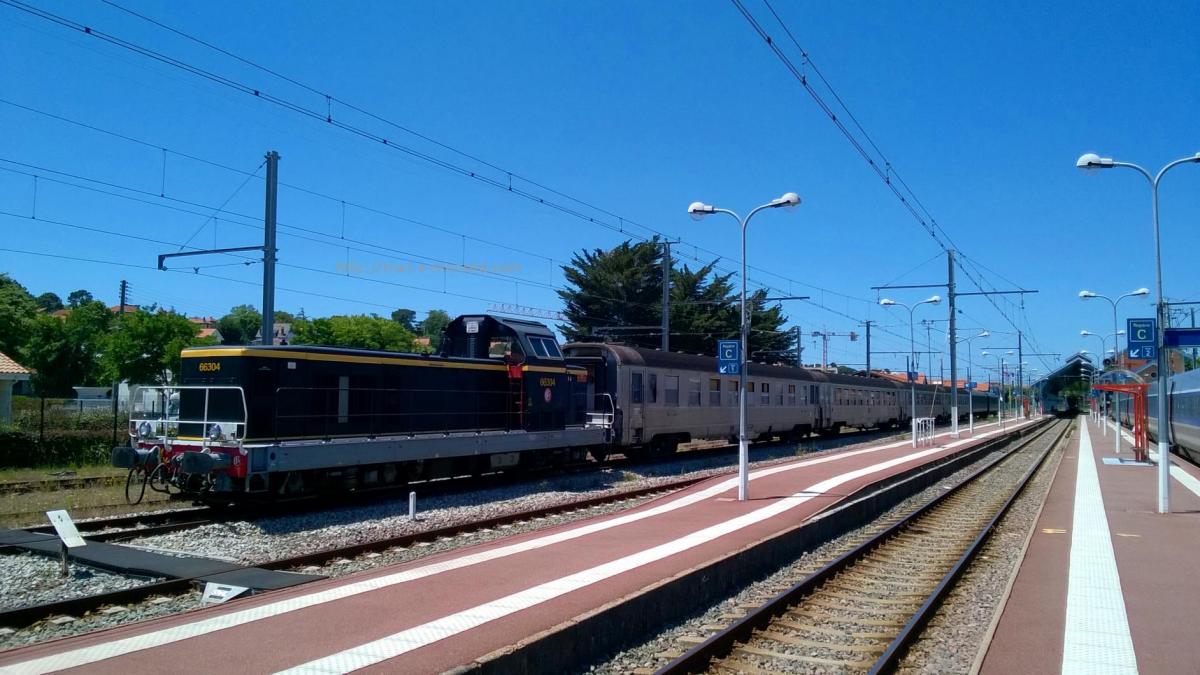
<point x="652" y="389"/>
<point x="791" y="395"/>
<point x="693" y="391"/>
<point x="765" y="394"/>
<point x="672" y="388"/>
<point x="635" y="388"/>
<point x="732" y="387"/>
<point x="714" y="392"/>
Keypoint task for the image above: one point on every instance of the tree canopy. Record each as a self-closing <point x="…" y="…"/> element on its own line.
<point x="240" y="326"/>
<point x="617" y="294"/>
<point x="359" y="331"/>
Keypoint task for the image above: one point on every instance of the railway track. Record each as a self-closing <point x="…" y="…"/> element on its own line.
<point x="165" y="521"/>
<point x="24" y="616"/>
<point x="125" y="528"/>
<point x="860" y="612"/>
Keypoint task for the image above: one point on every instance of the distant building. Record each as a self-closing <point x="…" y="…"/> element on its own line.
<point x="206" y="326"/>
<point x="283" y="335"/>
<point x="11" y="372"/>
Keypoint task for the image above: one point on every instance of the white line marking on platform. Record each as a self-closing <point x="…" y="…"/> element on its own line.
<point x="86" y="655"/>
<point x="433" y="631"/>
<point x="1185" y="479"/>
<point x="1096" y="639"/>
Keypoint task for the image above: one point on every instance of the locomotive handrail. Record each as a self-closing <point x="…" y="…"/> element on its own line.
<point x="164" y="422"/>
<point x="602" y="419"/>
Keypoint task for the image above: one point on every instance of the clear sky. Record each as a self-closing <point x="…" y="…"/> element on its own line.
<point x="633" y="107"/>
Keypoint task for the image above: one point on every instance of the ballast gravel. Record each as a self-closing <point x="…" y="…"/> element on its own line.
<point x="673" y="640"/>
<point x="29" y="579"/>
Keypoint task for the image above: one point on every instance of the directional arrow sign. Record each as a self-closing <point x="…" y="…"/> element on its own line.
<point x="729" y="357"/>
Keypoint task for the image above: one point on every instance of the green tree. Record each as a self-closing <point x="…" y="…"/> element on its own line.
<point x="17" y="311"/>
<point x="66" y="352"/>
<point x="144" y="348"/>
<point x="619" y="287"/>
<point x="406" y="318"/>
<point x="49" y="302"/>
<point x="79" y="297"/>
<point x="622" y="287"/>
<point x="435" y="322"/>
<point x="357" y="331"/>
<point x="240" y="326"/>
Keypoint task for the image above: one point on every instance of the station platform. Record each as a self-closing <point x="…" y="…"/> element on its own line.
<point x="468" y="607"/>
<point x="1107" y="584"/>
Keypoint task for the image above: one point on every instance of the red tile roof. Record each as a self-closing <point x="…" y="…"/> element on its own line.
<point x="11" y="367"/>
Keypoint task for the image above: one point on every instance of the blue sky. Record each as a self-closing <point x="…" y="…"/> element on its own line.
<point x="636" y="108"/>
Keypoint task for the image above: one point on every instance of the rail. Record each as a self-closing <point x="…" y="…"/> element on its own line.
<point x="700" y="657"/>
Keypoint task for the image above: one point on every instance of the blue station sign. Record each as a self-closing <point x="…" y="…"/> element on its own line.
<point x="729" y="357"/>
<point x="1142" y="337"/>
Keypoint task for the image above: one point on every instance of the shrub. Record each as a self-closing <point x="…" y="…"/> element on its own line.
<point x="60" y="448"/>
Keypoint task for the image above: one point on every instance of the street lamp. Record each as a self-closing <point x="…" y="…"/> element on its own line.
<point x="698" y="210"/>
<point x="1086" y="295"/>
<point x="1091" y="161"/>
<point x="912" y="349"/>
<point x="971" y="390"/>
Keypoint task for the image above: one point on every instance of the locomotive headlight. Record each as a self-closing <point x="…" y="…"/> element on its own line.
<point x="214" y="432"/>
<point x="145" y="430"/>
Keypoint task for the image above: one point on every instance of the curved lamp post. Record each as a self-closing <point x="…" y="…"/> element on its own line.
<point x="912" y="413"/>
<point x="698" y="210"/>
<point x="1091" y="161"/>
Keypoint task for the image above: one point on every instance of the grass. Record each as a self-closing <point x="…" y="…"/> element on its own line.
<point x="11" y="475"/>
<point x="22" y="510"/>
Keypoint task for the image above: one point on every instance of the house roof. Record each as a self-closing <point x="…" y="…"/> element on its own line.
<point x="10" y="367"/>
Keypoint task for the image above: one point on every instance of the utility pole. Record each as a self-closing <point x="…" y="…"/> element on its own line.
<point x="952" y="296"/>
<point x="272" y="199"/>
<point x="951" y="293"/>
<point x="799" y="347"/>
<point x="1021" y="372"/>
<point x="116" y="385"/>
<point x="666" y="301"/>
<point x="868" y="325"/>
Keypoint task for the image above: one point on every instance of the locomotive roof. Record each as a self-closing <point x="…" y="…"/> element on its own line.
<point x="654" y="358"/>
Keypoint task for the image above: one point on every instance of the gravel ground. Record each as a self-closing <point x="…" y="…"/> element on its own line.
<point x="270" y="538"/>
<point x="672" y="641"/>
<point x="29" y="579"/>
<point x="956" y="635"/>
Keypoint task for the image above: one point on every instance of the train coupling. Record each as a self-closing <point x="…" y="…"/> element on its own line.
<point x="203" y="462"/>
<point x="125" y="457"/>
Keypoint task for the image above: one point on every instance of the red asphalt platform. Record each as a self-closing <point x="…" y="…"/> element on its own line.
<point x="1107" y="585"/>
<point x="449" y="610"/>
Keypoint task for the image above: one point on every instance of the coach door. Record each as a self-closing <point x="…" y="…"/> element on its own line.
<point x="637" y="405"/>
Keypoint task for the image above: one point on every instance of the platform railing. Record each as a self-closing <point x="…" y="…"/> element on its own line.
<point x="163" y="422"/>
<point x="923" y="430"/>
